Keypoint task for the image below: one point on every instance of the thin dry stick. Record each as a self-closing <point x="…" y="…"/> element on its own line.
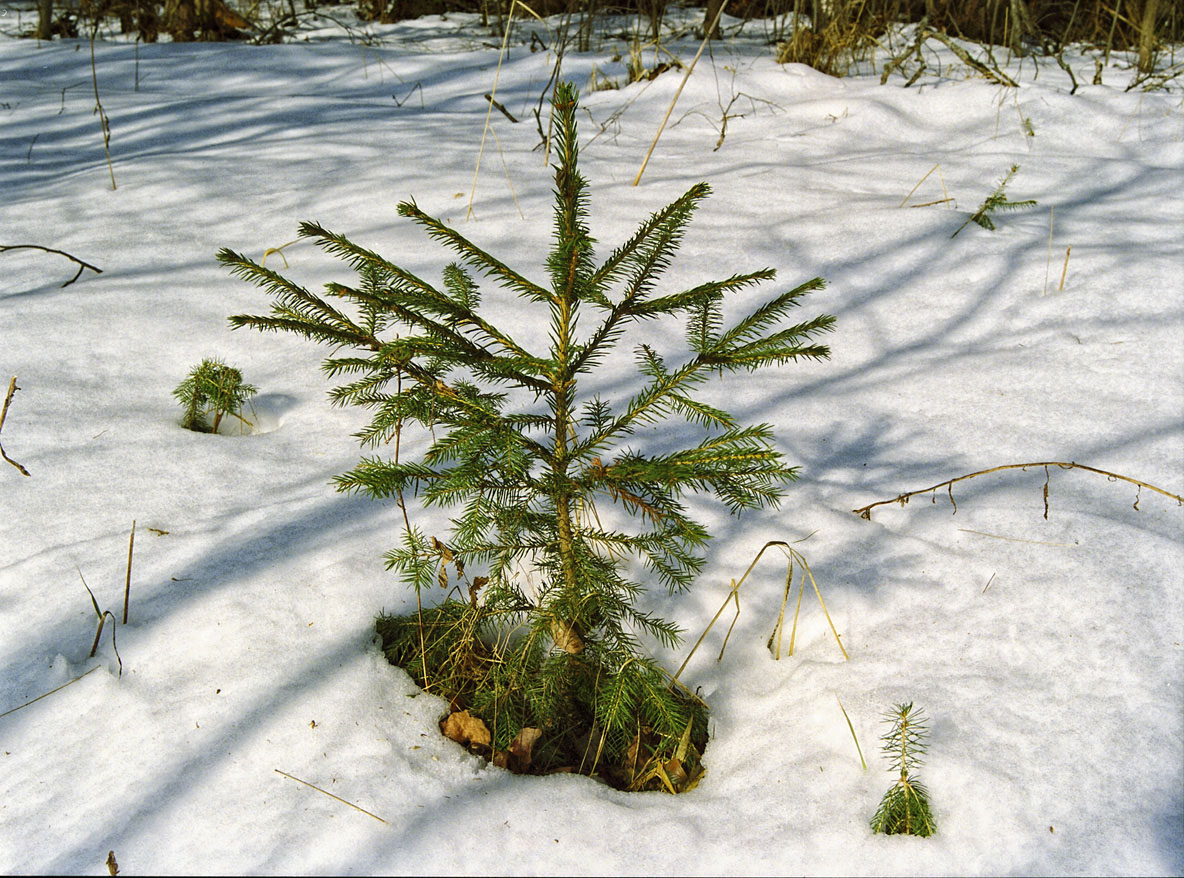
<point x="330" y="795"/>
<point x="12" y="388"/>
<point x="902" y="499"/>
<point x="127" y="585"/>
<point x="1064" y="270"/>
<point x="50" y="692"/>
<point x="1048" y="264"/>
<point x="616" y="114"/>
<point x="81" y="265"/>
<point x="674" y="100"/>
<point x="103" y="120"/>
<point x="994" y="75"/>
<point x="501" y="108"/>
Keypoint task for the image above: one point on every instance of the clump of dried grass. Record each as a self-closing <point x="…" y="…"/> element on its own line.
<point x="835" y="35"/>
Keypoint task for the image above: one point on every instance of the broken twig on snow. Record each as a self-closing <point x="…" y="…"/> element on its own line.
<point x="81" y="265"/>
<point x="902" y="499"/>
<point x="12" y="388"/>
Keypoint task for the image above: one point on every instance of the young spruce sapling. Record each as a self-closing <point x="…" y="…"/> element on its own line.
<point x="554" y="639"/>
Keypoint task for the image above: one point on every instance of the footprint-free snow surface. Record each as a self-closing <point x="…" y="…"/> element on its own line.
<point x="1045" y="648"/>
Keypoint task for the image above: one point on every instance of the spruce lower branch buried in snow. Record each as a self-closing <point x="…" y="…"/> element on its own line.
<point x="997" y="200"/>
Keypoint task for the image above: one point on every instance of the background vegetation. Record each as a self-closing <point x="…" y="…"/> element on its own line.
<point x="825" y="34"/>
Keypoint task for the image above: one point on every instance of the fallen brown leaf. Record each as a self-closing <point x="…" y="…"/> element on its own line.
<point x="631" y="758"/>
<point x="477" y="585"/>
<point x="445" y="552"/>
<point x="464" y="728"/>
<point x="523" y="744"/>
<point x="677" y="774"/>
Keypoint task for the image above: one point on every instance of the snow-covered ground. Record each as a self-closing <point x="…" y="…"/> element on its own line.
<point x="1046" y="652"/>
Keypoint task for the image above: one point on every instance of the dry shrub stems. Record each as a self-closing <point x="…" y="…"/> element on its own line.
<point x="831" y="35"/>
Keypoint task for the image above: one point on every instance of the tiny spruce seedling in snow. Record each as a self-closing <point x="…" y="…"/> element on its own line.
<point x="905" y="808"/>
<point x="216" y="390"/>
<point x="550" y="637"/>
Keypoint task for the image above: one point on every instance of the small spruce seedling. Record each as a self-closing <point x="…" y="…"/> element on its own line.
<point x="905" y="808"/>
<point x="213" y="389"/>
<point x="997" y="200"/>
<point x="553" y="640"/>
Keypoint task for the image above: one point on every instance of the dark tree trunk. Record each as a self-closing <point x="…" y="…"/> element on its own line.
<point x="45" y="19"/>
<point x="713" y="7"/>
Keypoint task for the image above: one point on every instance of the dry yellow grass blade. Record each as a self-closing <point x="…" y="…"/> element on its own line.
<point x="492" y="98"/>
<point x="681" y="85"/>
<point x="330" y="795"/>
<point x="50" y="692"/>
<point x="1048" y="263"/>
<point x="793" y="557"/>
<point x="794" y="554"/>
<point x="858" y="749"/>
<point x="945" y="200"/>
